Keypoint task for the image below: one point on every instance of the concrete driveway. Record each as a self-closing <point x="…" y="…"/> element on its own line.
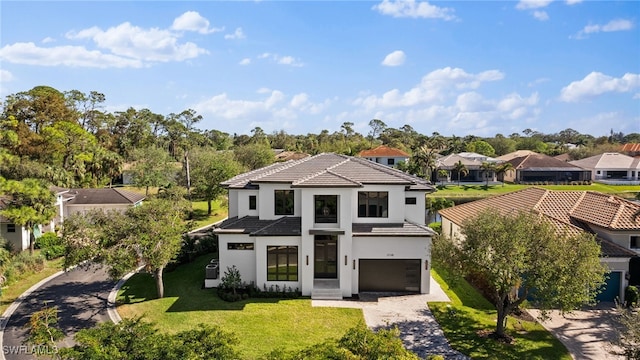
<point x="587" y="334"/>
<point x="81" y="297"/>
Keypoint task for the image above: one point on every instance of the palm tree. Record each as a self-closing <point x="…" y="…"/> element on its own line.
<point x="425" y="159"/>
<point x="461" y="169"/>
<point x="503" y="168"/>
<point x="442" y="174"/>
<point x="487" y="168"/>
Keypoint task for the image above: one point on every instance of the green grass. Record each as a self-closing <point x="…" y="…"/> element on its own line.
<point x="480" y="190"/>
<point x="469" y="317"/>
<point x="200" y="216"/>
<point x="262" y="325"/>
<point x="11" y="292"/>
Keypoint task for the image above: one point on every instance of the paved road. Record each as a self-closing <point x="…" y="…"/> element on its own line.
<point x="587" y="334"/>
<point x="81" y="297"/>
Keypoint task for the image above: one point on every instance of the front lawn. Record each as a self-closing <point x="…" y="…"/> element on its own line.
<point x="469" y="318"/>
<point x="11" y="292"/>
<point x="262" y="325"/>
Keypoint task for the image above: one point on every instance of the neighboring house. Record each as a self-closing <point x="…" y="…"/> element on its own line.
<point x="543" y="168"/>
<point x="385" y="155"/>
<point x="516" y="154"/>
<point x="611" y="166"/>
<point x="613" y="220"/>
<point x="329" y="225"/>
<point x="472" y="161"/>
<point x="70" y="201"/>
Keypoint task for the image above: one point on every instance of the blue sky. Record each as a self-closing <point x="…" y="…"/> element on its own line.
<point x="457" y="67"/>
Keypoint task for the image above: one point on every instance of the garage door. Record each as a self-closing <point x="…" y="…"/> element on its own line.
<point x="389" y="275"/>
<point x="611" y="289"/>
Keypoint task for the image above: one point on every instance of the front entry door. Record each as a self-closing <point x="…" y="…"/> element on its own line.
<point x="326" y="257"/>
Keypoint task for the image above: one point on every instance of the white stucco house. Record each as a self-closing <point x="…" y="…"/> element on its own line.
<point x="68" y="202"/>
<point x="329" y="225"/>
<point x="610" y="166"/>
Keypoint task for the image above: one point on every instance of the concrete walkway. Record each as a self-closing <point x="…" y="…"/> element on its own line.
<point x="419" y="330"/>
<point x="587" y="334"/>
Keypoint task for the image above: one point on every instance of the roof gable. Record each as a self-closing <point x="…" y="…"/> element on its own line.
<point x="608" y="161"/>
<point x="541" y="162"/>
<point x="328" y="170"/>
<point x="383" y="151"/>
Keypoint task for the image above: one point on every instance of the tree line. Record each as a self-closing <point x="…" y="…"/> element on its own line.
<point x="68" y="139"/>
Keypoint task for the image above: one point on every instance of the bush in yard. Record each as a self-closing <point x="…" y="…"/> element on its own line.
<point x="231" y="285"/>
<point x="631" y="295"/>
<point x="51" y="245"/>
<point x="358" y="343"/>
<point x="436" y="226"/>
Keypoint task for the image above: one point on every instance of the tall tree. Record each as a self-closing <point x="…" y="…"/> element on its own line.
<point x="488" y="168"/>
<point x="502" y="169"/>
<point x="149" y="235"/>
<point x="153" y="167"/>
<point x="377" y="126"/>
<point x="461" y="170"/>
<point x="254" y="156"/>
<point x="29" y="203"/>
<point x="209" y="169"/>
<point x="523" y="255"/>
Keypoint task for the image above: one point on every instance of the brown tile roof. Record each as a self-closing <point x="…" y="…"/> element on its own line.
<point x="383" y="151"/>
<point x="630" y="147"/>
<point x="541" y="162"/>
<point x="515" y="154"/>
<point x="404" y="229"/>
<point x="568" y="210"/>
<point x="104" y="196"/>
<point x="328" y="170"/>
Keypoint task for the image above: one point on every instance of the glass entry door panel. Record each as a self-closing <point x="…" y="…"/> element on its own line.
<point x="326" y="257"/>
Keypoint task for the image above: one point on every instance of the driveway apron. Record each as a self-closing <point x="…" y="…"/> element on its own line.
<point x="81" y="297"/>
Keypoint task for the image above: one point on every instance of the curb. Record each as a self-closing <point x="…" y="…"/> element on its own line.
<point x="111" y="300"/>
<point x="17" y="302"/>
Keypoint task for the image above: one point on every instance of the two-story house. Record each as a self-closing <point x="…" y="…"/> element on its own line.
<point x="385" y="155"/>
<point x="614" y="221"/>
<point x="329" y="225"/>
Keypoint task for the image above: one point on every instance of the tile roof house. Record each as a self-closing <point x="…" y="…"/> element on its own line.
<point x="543" y="168"/>
<point x="385" y="155"/>
<point x="611" y="167"/>
<point x="329" y="225"/>
<point x="70" y="201"/>
<point x="631" y="149"/>
<point x="473" y="163"/>
<point x="614" y="221"/>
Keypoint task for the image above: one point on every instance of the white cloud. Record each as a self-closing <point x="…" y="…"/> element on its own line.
<point x="273" y="107"/>
<point x="48" y="40"/>
<point x="152" y="45"/>
<point x="636" y="96"/>
<point x="541" y="15"/>
<point x="5" y="76"/>
<point x="538" y="81"/>
<point x="395" y="58"/>
<point x="282" y="60"/>
<point x="74" y="56"/>
<point x="573" y="2"/>
<point x="237" y="35"/>
<point x="611" y="26"/>
<point x="414" y="9"/>
<point x="245" y="61"/>
<point x="435" y="86"/>
<point x="193" y="21"/>
<point x="532" y="4"/>
<point x="597" y="83"/>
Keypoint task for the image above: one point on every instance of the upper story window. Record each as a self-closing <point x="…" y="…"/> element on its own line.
<point x="410" y="201"/>
<point x="11" y="228"/>
<point x="326" y="209"/>
<point x="373" y="204"/>
<point x="283" y="202"/>
<point x="253" y="202"/>
<point x="391" y="161"/>
<point x="635" y="242"/>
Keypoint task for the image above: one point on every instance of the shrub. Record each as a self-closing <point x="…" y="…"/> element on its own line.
<point x="51" y="245"/>
<point x="631" y="295"/>
<point x="22" y="264"/>
<point x="436" y="226"/>
<point x="231" y="286"/>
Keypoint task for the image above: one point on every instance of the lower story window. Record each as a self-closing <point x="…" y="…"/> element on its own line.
<point x="11" y="228"/>
<point x="635" y="242"/>
<point x="282" y="263"/>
